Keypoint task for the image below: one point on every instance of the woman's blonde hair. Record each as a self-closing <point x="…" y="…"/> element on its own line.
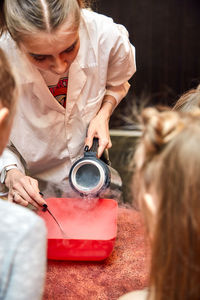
<point x="24" y="17"/>
<point x="8" y="86"/>
<point x="168" y="165"/>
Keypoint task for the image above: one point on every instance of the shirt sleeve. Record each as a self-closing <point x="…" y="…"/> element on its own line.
<point x="121" y="65"/>
<point x="11" y="156"/>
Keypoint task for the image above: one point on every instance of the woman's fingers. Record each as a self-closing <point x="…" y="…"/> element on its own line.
<point x="31" y="189"/>
<point x="34" y="184"/>
<point x="103" y="144"/>
<point x="10" y="197"/>
<point x="89" y="140"/>
<point x="38" y="196"/>
<point x="20" y="195"/>
<point x="19" y="200"/>
<point x="99" y="127"/>
<point x="16" y="197"/>
<point x="25" y="191"/>
<point x="109" y="144"/>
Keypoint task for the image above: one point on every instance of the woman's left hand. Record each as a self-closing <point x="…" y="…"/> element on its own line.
<point x="99" y="128"/>
<point x="99" y="125"/>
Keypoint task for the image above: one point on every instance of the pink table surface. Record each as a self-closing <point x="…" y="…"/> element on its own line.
<point x="125" y="270"/>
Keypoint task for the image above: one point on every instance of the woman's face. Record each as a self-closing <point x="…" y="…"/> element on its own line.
<point x="52" y="52"/>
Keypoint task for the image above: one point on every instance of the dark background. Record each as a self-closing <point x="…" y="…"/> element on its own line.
<point x="167" y="40"/>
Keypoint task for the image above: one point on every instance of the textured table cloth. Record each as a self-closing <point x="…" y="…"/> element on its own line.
<point x="125" y="270"/>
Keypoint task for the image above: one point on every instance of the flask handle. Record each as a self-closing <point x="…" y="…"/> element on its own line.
<point x="93" y="150"/>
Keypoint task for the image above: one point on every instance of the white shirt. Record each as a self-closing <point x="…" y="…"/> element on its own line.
<point x="46" y="138"/>
<point x="22" y="253"/>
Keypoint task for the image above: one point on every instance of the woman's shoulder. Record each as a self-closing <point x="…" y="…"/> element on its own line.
<point x="94" y="17"/>
<point x="100" y="24"/>
<point x="103" y="29"/>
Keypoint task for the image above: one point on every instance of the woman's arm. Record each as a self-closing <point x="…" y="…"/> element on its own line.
<point x="11" y="156"/>
<point x="22" y="189"/>
<point x="120" y="68"/>
<point x="99" y="126"/>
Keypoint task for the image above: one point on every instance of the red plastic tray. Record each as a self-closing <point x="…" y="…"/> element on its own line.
<point x="90" y="227"/>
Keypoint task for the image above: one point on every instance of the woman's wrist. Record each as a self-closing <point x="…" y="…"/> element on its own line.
<point x="10" y="174"/>
<point x="108" y="106"/>
<point x="6" y="170"/>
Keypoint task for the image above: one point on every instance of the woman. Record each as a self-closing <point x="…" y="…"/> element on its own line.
<point x="23" y="234"/>
<point x="74" y="66"/>
<point x="167" y="173"/>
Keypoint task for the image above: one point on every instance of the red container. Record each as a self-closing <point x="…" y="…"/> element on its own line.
<point x="90" y="227"/>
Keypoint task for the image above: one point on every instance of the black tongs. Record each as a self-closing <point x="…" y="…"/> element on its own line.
<point x="45" y="208"/>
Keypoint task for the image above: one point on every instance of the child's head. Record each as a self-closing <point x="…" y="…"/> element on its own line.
<point x="167" y="173"/>
<point x="189" y="101"/>
<point x="8" y="95"/>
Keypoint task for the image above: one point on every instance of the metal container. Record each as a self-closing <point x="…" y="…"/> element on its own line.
<point x="90" y="176"/>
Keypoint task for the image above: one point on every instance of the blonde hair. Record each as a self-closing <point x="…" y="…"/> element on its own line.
<point x="168" y="163"/>
<point x="189" y="101"/>
<point x="8" y="86"/>
<point x="24" y="17"/>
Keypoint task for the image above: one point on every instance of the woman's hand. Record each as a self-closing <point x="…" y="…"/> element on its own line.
<point x="23" y="189"/>
<point x="99" y="126"/>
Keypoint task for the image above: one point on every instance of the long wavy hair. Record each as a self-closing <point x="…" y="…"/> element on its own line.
<point x="167" y="163"/>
